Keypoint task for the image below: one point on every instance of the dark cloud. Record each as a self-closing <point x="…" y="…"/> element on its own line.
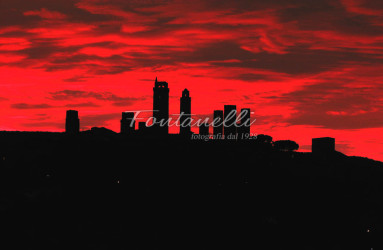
<point x="59" y="125"/>
<point x="299" y="60"/>
<point x="102" y="96"/>
<point x="226" y="90"/>
<point x="334" y="106"/>
<point x="123" y="103"/>
<point x="296" y="58"/>
<point x="221" y="51"/>
<point x="43" y="48"/>
<point x="370" y="119"/>
<point x="12" y="12"/>
<point x="89" y="121"/>
<point x="39" y="117"/>
<point x="31" y="106"/>
<point x="372" y="5"/>
<point x="105" y="65"/>
<point x="267" y="119"/>
<point x="329" y="15"/>
<point x="76" y="79"/>
<point x="75" y="59"/>
<point x="251" y="77"/>
<point x="69" y="56"/>
<point x="110" y="70"/>
<point x="81" y="105"/>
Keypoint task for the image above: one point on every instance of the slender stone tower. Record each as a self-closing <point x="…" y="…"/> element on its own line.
<point x="185" y="111"/>
<point x="161" y="107"/>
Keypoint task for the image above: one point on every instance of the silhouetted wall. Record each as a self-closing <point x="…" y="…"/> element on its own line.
<point x="218" y="119"/>
<point x="204" y="129"/>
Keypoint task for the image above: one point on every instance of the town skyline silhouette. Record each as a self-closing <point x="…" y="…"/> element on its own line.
<point x="226" y="123"/>
<point x="149" y="189"/>
<point x="161" y="118"/>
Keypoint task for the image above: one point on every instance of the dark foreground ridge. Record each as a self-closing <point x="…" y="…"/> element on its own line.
<point x="102" y="190"/>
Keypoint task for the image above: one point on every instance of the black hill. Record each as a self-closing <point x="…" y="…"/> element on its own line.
<point x="102" y="190"/>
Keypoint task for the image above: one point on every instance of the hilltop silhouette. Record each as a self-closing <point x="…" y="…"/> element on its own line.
<point x="147" y="189"/>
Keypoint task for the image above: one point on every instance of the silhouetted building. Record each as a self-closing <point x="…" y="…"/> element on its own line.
<point x="72" y="122"/>
<point x="101" y="131"/>
<point x="324" y="145"/>
<point x="142" y="127"/>
<point x="244" y="125"/>
<point x="204" y="129"/>
<point x="185" y="111"/>
<point x="127" y="123"/>
<point x="218" y="124"/>
<point x="230" y="116"/>
<point x="161" y="106"/>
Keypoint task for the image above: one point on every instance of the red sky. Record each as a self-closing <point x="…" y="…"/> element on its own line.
<point x="307" y="68"/>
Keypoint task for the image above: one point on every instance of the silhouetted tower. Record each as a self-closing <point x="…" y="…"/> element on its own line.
<point x="204" y="128"/>
<point x="244" y="129"/>
<point x="72" y="122"/>
<point x="127" y="123"/>
<point x="161" y="106"/>
<point x="218" y="124"/>
<point x="185" y="111"/>
<point x="323" y="146"/>
<point x="230" y="117"/>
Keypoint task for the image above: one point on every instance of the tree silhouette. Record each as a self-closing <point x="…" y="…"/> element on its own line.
<point x="286" y="145"/>
<point x="264" y="139"/>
